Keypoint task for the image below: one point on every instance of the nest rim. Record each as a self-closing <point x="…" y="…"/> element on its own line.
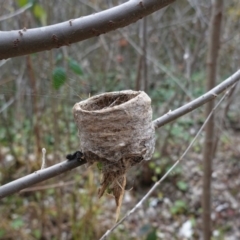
<point x="86" y="105"/>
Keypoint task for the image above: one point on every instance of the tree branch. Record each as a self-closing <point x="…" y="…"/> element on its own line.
<point x="172" y="115"/>
<point x="38" y="176"/>
<point x="26" y="41"/>
<point x="59" y="168"/>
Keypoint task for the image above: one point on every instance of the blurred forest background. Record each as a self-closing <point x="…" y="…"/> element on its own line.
<point x="163" y="54"/>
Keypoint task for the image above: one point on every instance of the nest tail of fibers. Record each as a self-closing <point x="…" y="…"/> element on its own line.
<point x="116" y="130"/>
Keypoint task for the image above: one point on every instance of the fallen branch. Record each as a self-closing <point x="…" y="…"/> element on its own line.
<point x="59" y="168"/>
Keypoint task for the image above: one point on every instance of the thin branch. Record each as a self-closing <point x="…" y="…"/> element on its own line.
<point x="140" y="203"/>
<point x="26" y="41"/>
<point x="2" y="62"/>
<point x="43" y="158"/>
<point x="155" y="62"/>
<point x="46" y="187"/>
<point x="10" y="102"/>
<point x="59" y="168"/>
<point x="38" y="176"/>
<point x="19" y="11"/>
<point x="189" y="107"/>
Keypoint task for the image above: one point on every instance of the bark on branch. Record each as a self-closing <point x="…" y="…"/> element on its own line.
<point x="59" y="168"/>
<point x="27" y="41"/>
<point x="38" y="176"/>
<point x="172" y="115"/>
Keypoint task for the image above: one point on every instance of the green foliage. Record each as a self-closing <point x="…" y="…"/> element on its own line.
<point x="49" y="139"/>
<point x="40" y="13"/>
<point x="99" y="166"/>
<point x="58" y="58"/>
<point x="17" y="223"/>
<point x="178" y="207"/>
<point x="162" y="94"/>
<point x="75" y="67"/>
<point x="148" y="231"/>
<point x="179" y="131"/>
<point x="183" y="186"/>
<point x="197" y="83"/>
<point x="156" y="154"/>
<point x="146" y="228"/>
<point x="59" y="77"/>
<point x="176" y="172"/>
<point x="2" y="233"/>
<point x="152" y="235"/>
<point x="3" y="138"/>
<point x="156" y="168"/>
<point x="85" y="226"/>
<point x="234" y="13"/>
<point x="22" y="3"/>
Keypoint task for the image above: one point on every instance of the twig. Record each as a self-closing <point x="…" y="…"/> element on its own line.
<point x="189" y="107"/>
<point x="2" y="62"/>
<point x="19" y="11"/>
<point x="39" y="176"/>
<point x="45" y="187"/>
<point x="139" y="204"/>
<point x="43" y="158"/>
<point x="156" y="63"/>
<point x="7" y="105"/>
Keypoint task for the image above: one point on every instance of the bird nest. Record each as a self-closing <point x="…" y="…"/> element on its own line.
<point x="116" y="130"/>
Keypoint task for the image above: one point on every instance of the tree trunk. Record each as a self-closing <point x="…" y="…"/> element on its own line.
<point x="213" y="46"/>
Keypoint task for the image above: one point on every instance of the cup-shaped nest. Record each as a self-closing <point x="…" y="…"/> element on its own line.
<point x="115" y="129"/>
<point x="116" y="124"/>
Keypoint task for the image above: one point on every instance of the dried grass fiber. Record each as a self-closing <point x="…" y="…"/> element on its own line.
<point x="115" y="129"/>
<point x="116" y="124"/>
